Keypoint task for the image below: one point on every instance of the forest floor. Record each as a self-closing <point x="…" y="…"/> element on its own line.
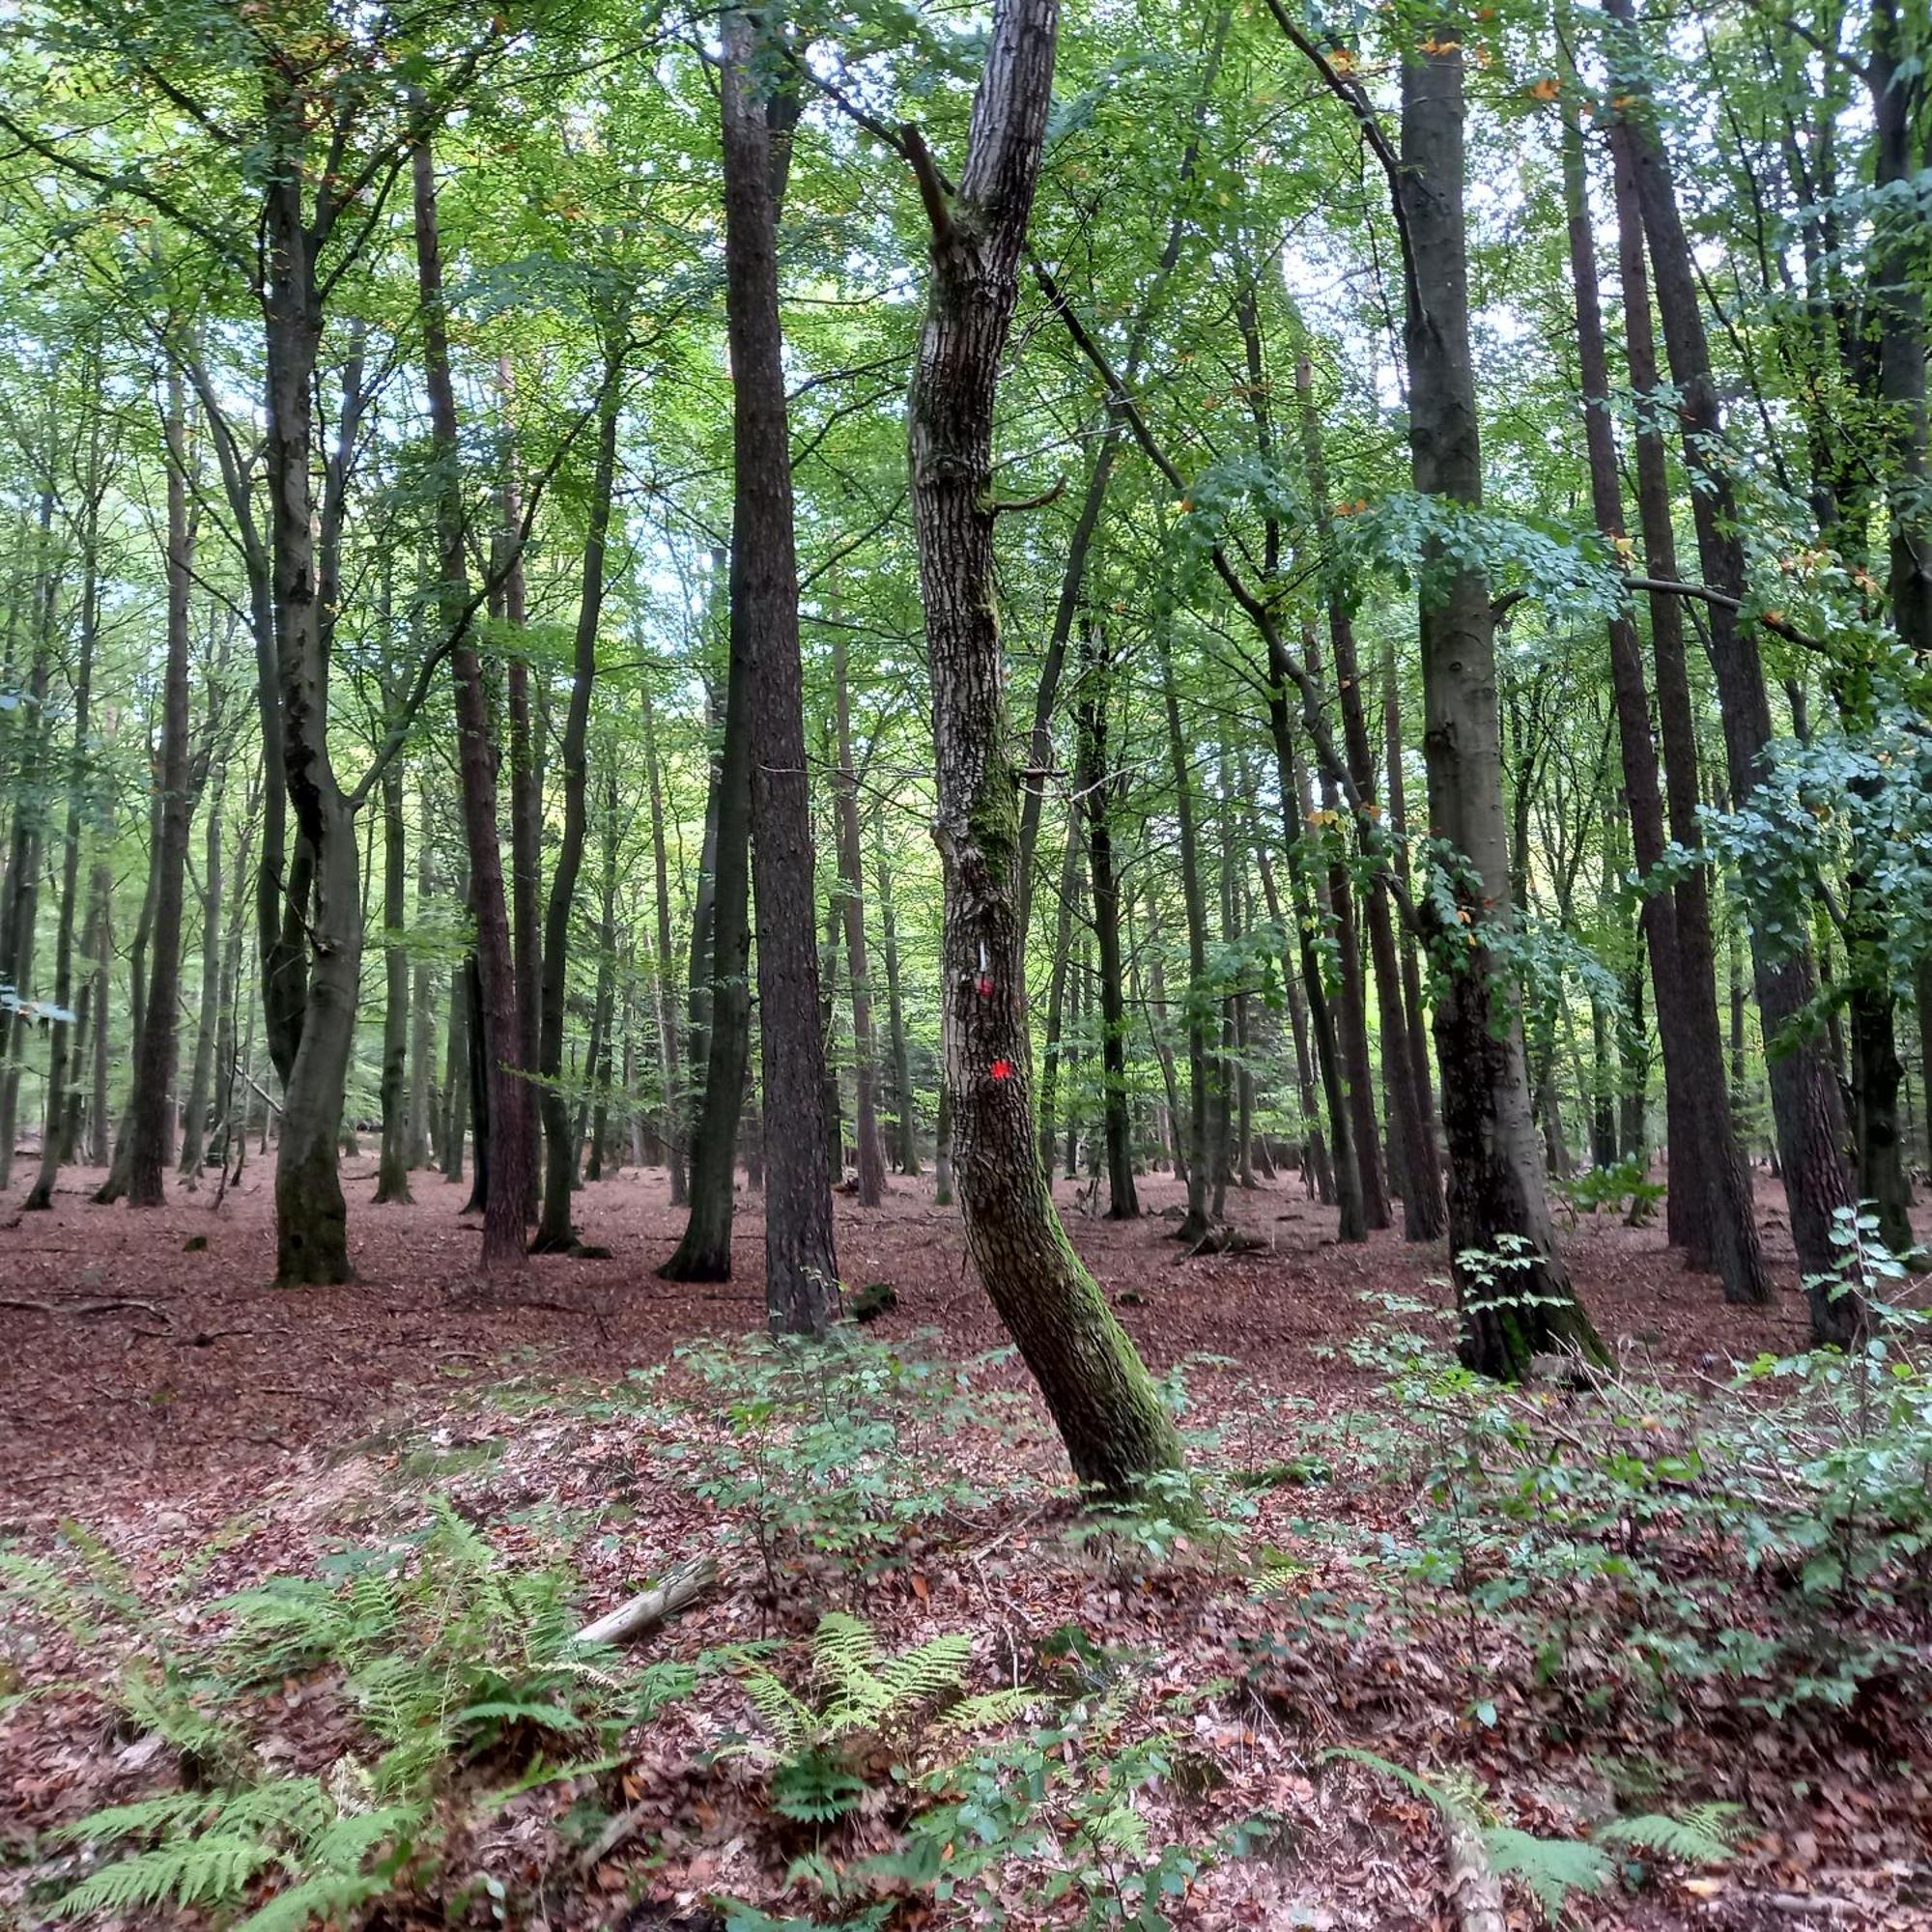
<point x="211" y="1431"/>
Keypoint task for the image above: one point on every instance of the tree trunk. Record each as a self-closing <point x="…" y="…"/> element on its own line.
<point x="667" y="1013"/>
<point x="1496" y="1201"/>
<point x="1804" y="1094"/>
<point x="1413" y="1146"/>
<point x="852" y="906"/>
<point x="392" y="1175"/>
<point x="1109" y="1415"/>
<point x="801" y="1261"/>
<point x="1721" y="1225"/>
<point x="554" y="1233"/>
<point x="152" y="1140"/>
<point x="905" y="1123"/>
<point x="62" y="1057"/>
<point x="422" y="1029"/>
<point x="1056" y="996"/>
<point x="1099" y="789"/>
<point x="201" y="1075"/>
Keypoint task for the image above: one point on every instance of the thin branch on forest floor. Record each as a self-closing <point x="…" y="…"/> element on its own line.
<point x="106" y="1306"/>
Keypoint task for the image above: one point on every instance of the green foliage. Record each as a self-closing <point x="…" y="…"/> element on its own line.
<point x="448" y="1657"/>
<point x="825" y="1468"/>
<point x="1625" y="1187"/>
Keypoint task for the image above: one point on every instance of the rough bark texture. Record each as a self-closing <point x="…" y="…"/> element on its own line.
<point x="392" y="1174"/>
<point x="801" y="1261"/>
<point x="1496" y="1199"/>
<point x="1109" y="1415"/>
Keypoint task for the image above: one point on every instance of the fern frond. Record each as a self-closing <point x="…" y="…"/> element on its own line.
<point x="788" y="1717"/>
<point x="146" y="1818"/>
<point x="930" y="1672"/>
<point x="213" y="1868"/>
<point x="1553" y="1868"/>
<point x="329" y="1897"/>
<point x="1705" y="1834"/>
<point x="990" y="1707"/>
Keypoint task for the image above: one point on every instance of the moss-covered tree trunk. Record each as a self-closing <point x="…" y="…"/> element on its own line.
<point x="1108" y="1413"/>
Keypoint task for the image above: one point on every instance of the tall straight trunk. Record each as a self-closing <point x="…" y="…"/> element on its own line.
<point x="200" y="1074"/>
<point x="422" y="1017"/>
<point x="1806" y="1100"/>
<point x="504" y="1095"/>
<point x="1352" y="1022"/>
<point x="852" y="907"/>
<point x="667" y="1013"/>
<point x="1099" y="789"/>
<point x="905" y="1123"/>
<point x="525" y="795"/>
<point x="1414" y="1017"/>
<point x="1310" y="918"/>
<point x="101" y="955"/>
<point x="62" y="1057"/>
<point x="116" y="1183"/>
<point x="721" y="992"/>
<point x="456" y="1073"/>
<point x="1194" y="1222"/>
<point x="1109" y="1415"/>
<point x="1056" y="995"/>
<point x="1706" y="1160"/>
<point x="392" y="1174"/>
<point x="1316" y="1164"/>
<point x="19" y="904"/>
<point x="801" y="1260"/>
<point x="1496" y="1200"/>
<point x="832" y="1109"/>
<point x="554" y="1233"/>
<point x="604" y="1014"/>
<point x="1413" y="1145"/>
<point x="154" y="1066"/>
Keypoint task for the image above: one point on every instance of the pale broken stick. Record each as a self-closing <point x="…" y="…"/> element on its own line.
<point x="1472" y="1882"/>
<point x="643" y="1611"/>
<point x="650" y="1607"/>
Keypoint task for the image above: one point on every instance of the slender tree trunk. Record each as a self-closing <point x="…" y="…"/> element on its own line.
<point x="1099" y="789"/>
<point x="905" y="1123"/>
<point x="1056" y="996"/>
<point x="1805" y="1094"/>
<point x="392" y="1176"/>
<point x="1720" y="1227"/>
<point x="667" y="1015"/>
<point x="526" y="802"/>
<point x="1413" y="1145"/>
<point x="62" y="1057"/>
<point x="504" y="1086"/>
<point x="100" y="955"/>
<point x="201" y="1075"/>
<point x="456" y="1073"/>
<point x="1496" y="1199"/>
<point x="1194" y="1222"/>
<point x="422" y="1025"/>
<point x="554" y="1233"/>
<point x="852" y="906"/>
<point x="1316" y="1163"/>
<point x="1109" y="1415"/>
<point x="155" y="1067"/>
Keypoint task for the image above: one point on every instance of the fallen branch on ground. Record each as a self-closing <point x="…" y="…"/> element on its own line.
<point x="650" y="1607"/>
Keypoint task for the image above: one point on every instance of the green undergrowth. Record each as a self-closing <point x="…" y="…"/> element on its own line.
<point x="1592" y="1569"/>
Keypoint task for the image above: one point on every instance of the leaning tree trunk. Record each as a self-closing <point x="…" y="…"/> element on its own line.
<point x="1517" y="1301"/>
<point x="504" y="1096"/>
<point x="1109" y="1415"/>
<point x="801" y="1260"/>
<point x="155" y="1069"/>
